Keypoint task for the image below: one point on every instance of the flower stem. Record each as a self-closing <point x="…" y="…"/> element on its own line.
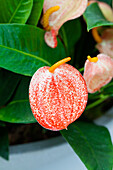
<point x="81" y="69"/>
<point x="97" y="102"/>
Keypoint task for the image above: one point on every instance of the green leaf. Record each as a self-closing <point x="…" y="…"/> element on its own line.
<point x="92" y="144"/>
<point x="4" y="144"/>
<point x="70" y="33"/>
<point x="8" y="84"/>
<point x="94" y="17"/>
<point x="18" y="110"/>
<point x="36" y="12"/>
<point x="15" y="11"/>
<point x="23" y="49"/>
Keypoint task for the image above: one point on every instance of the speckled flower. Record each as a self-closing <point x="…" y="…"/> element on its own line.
<point x="98" y="72"/>
<point x="58" y="95"/>
<point x="56" y="13"/>
<point x="106" y="45"/>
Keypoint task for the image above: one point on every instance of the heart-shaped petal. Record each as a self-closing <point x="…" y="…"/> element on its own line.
<point x="59" y="98"/>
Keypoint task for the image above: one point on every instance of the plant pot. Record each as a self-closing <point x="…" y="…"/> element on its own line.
<point x="52" y="154"/>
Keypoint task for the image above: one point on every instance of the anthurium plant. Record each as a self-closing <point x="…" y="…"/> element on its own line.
<point x="37" y="85"/>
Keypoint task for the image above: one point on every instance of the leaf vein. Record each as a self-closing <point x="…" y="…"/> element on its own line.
<point x="15" y="11"/>
<point x="25" y="53"/>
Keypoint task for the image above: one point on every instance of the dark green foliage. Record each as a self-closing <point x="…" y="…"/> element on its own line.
<point x="26" y="51"/>
<point x="15" y="11"/>
<point x="4" y="144"/>
<point x="23" y="50"/>
<point x="92" y="144"/>
<point x="36" y="12"/>
<point x="18" y="110"/>
<point x="8" y="84"/>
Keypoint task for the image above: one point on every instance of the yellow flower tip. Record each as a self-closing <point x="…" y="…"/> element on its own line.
<point x="56" y="65"/>
<point x="94" y="59"/>
<point x="96" y="35"/>
<point x="45" y="19"/>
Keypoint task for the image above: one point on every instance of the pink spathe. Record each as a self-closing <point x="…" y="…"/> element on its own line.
<point x="106" y="46"/>
<point x="99" y="73"/>
<point x="69" y="9"/>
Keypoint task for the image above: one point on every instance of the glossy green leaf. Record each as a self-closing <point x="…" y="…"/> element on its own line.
<point x="8" y="84"/>
<point x="94" y="17"/>
<point x="92" y="144"/>
<point x="15" y="11"/>
<point x="36" y="12"/>
<point x="18" y="110"/>
<point x="23" y="49"/>
<point x="4" y="144"/>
